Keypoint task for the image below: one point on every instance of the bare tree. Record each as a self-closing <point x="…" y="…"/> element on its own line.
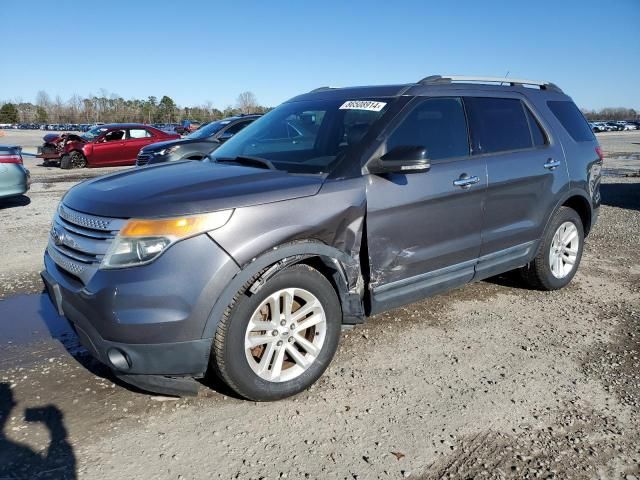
<point x="247" y="102"/>
<point x="42" y="99"/>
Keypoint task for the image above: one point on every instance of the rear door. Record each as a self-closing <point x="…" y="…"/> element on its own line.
<point x="424" y="229"/>
<point x="136" y="139"/>
<point x="526" y="173"/>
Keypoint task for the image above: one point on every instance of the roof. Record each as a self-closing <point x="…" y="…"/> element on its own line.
<point x="124" y="125"/>
<point x="454" y="82"/>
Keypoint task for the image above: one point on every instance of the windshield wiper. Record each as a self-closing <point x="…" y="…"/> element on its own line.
<point x="249" y="161"/>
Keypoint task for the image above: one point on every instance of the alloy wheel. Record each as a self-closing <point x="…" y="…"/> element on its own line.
<point x="285" y="335"/>
<point x="563" y="252"/>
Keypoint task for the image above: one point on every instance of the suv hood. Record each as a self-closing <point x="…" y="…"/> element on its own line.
<point x="177" y="141"/>
<point x="182" y="188"/>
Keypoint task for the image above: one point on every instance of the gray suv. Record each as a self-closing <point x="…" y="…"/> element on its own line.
<point x="337" y="205"/>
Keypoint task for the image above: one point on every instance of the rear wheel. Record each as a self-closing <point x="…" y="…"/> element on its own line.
<point x="559" y="253"/>
<point x="278" y="342"/>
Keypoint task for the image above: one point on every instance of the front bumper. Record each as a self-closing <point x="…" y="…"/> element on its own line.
<point x="146" y="320"/>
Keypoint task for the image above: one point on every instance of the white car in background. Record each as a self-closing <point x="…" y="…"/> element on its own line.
<point x="627" y="126"/>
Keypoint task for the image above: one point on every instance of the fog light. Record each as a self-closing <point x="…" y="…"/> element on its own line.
<point x="118" y="359"/>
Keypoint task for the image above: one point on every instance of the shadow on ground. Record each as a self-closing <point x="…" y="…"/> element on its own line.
<point x="13" y="202"/>
<point x="621" y="195"/>
<point x="19" y="461"/>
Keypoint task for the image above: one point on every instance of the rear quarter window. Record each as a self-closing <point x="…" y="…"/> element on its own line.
<point x="572" y="120"/>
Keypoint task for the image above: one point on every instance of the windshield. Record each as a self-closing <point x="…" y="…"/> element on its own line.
<point x="209" y="129"/>
<point x="93" y="133"/>
<point x="307" y="136"/>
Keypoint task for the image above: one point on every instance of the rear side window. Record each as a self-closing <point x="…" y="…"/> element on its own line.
<point x="497" y="125"/>
<point x="438" y="124"/>
<point x="537" y="133"/>
<point x="138" y="133"/>
<point x="233" y="129"/>
<point x="572" y="120"/>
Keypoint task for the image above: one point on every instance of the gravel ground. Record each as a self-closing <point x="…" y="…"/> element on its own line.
<point x="488" y="381"/>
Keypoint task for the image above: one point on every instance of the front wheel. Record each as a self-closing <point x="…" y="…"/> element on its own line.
<point x="278" y="342"/>
<point x="559" y="253"/>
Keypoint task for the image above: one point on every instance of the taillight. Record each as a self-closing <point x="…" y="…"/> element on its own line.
<point x="600" y="153"/>
<point x="11" y="159"/>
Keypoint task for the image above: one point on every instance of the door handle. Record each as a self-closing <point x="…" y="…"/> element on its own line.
<point x="552" y="164"/>
<point x="466" y="181"/>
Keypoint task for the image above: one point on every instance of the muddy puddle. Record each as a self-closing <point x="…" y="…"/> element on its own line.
<point x="30" y="329"/>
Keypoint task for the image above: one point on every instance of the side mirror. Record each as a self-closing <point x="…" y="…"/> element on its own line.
<point x="402" y="159"/>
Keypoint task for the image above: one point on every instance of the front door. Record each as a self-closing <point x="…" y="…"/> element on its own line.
<point x="424" y="229"/>
<point x="108" y="149"/>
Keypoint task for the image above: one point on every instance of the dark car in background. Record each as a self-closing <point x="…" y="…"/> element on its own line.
<point x="196" y="145"/>
<point x="104" y="145"/>
<point x="14" y="178"/>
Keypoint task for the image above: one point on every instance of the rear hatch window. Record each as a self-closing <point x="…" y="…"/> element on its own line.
<point x="572" y="120"/>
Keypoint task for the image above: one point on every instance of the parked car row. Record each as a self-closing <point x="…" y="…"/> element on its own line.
<point x="70" y="127"/>
<point x="133" y="143"/>
<point x="617" y="126"/>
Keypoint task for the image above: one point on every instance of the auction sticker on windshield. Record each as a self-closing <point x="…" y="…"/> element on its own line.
<point x="363" y="105"/>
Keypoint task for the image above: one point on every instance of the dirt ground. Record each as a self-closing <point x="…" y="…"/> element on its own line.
<point x="489" y="381"/>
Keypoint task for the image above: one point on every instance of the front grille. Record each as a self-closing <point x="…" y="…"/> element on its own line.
<point x="143" y="159"/>
<point x="79" y="241"/>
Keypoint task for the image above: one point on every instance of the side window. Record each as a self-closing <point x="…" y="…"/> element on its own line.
<point x="438" y="124"/>
<point x="537" y="133"/>
<point x="572" y="120"/>
<point x="138" y="133"/>
<point x="497" y="125"/>
<point x="233" y="129"/>
<point x="114" y="136"/>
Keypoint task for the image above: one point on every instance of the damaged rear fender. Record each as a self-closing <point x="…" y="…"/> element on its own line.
<point x="344" y="270"/>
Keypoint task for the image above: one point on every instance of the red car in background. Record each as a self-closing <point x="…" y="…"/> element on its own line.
<point x="104" y="145"/>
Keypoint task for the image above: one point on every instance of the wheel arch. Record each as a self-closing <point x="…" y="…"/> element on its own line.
<point x="577" y="200"/>
<point x="582" y="207"/>
<point x="342" y="271"/>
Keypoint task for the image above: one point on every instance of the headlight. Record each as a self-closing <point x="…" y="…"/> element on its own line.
<point x="166" y="151"/>
<point x="143" y="240"/>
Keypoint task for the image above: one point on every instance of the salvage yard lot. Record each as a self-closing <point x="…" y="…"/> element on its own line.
<point x="489" y="381"/>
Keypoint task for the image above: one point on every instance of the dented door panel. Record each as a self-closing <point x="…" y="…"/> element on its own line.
<point x="419" y="223"/>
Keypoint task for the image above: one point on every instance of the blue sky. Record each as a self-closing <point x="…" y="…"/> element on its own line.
<point x="212" y="51"/>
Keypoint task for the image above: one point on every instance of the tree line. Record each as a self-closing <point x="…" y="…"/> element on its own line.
<point x="619" y="113"/>
<point x="112" y="108"/>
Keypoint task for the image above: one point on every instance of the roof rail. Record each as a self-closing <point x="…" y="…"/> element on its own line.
<point x="439" y="79"/>
<point x="322" y="89"/>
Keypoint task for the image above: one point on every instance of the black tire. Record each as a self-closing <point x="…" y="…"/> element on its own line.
<point x="228" y="357"/>
<point x="538" y="273"/>
<point x="65" y="162"/>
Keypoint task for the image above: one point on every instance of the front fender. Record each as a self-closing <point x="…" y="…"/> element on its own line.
<point x="348" y="278"/>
